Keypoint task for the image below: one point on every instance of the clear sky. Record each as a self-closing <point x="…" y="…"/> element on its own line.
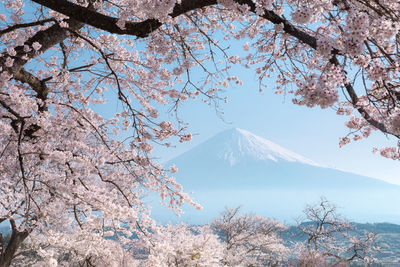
<point x="313" y="133"/>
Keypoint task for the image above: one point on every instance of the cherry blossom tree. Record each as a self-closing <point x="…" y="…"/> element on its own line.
<point x="250" y="240"/>
<point x="240" y="239"/>
<point x="67" y="170"/>
<point x="181" y="245"/>
<point x="74" y="250"/>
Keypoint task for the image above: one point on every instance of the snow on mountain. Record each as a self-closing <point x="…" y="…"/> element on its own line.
<point x="238" y="144"/>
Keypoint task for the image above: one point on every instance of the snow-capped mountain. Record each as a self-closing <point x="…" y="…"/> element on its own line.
<point x="239" y="145"/>
<point x="236" y="167"/>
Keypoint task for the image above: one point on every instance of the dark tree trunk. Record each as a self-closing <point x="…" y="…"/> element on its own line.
<point x="8" y="252"/>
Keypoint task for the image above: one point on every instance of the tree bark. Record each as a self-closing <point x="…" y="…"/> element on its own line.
<point x="17" y="237"/>
<point x="109" y="24"/>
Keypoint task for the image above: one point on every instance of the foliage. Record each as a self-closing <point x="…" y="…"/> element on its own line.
<point x="250" y="240"/>
<point x="183" y="246"/>
<point x="68" y="172"/>
<point x="241" y="239"/>
<point x="231" y="239"/>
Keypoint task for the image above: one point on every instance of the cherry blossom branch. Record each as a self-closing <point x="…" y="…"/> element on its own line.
<point x="25" y="25"/>
<point x="45" y="39"/>
<point x="312" y="42"/>
<point x="143" y="29"/>
<point x="109" y="24"/>
<point x="9" y="109"/>
<point x="35" y="83"/>
<point x="355" y="100"/>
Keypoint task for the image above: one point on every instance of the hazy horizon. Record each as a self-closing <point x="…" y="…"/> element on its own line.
<point x="237" y="168"/>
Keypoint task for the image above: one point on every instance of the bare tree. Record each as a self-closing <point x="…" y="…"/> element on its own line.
<point x="331" y="239"/>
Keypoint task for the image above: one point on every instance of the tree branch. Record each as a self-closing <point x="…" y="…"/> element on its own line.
<point x="15" y="241"/>
<point x="36" y="84"/>
<point x="144" y="28"/>
<point x="109" y="24"/>
<point x="46" y="38"/>
<point x="25" y="25"/>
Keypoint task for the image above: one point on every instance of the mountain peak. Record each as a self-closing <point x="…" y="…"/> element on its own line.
<point x="238" y="146"/>
<point x="236" y="167"/>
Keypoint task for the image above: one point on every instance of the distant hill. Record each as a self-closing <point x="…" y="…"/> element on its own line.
<point x="236" y="167"/>
<point x="388" y="240"/>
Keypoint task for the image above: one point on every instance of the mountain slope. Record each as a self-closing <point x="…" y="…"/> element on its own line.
<point x="239" y="158"/>
<point x="236" y="167"/>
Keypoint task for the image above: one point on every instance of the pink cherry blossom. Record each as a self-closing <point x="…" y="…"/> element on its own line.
<point x="71" y="172"/>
